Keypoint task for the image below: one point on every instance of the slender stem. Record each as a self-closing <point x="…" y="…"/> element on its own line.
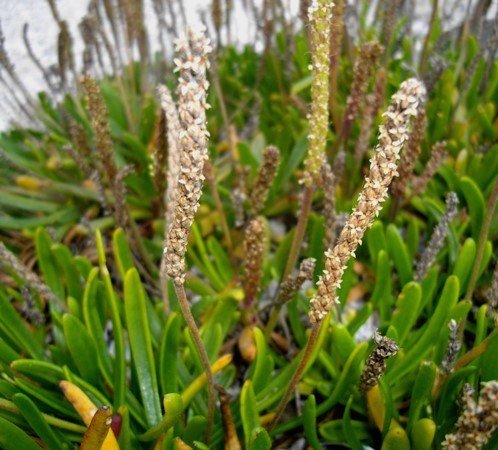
<point x="483" y="237"/>
<point x="293" y="254"/>
<point x="187" y="315"/>
<point x="291" y="387"/>
<point x="300" y="230"/>
<point x="272" y="321"/>
<point x="51" y="420"/>
<point x="425" y="48"/>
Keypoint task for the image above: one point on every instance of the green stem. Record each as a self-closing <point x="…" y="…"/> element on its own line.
<point x="483" y="237"/>
<point x="300" y="230"/>
<point x="291" y="387"/>
<point x="293" y="253"/>
<point x="189" y="319"/>
<point x="272" y="321"/>
<point x="54" y="421"/>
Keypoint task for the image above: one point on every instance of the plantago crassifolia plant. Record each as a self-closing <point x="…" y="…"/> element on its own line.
<point x="158" y="288"/>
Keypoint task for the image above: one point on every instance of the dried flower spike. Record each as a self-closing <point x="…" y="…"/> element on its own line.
<point x="31" y="278"/>
<point x="292" y="284"/>
<point x="254" y="246"/>
<point x="364" y="67"/>
<point x="383" y="168"/>
<point x="410" y="155"/>
<point x="376" y="363"/>
<point x="266" y="175"/>
<point x="173" y="129"/>
<point x="99" y="115"/>
<point x="159" y="156"/>
<point x="319" y="15"/>
<point x="438" y="154"/>
<point x="454" y="346"/>
<point x="329" y="184"/>
<point x="371" y="108"/>
<point x="478" y="420"/>
<point x="29" y="309"/>
<point x="437" y="239"/>
<point x="192" y="63"/>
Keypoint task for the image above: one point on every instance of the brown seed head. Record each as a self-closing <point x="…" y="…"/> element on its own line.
<point x="383" y="168"/>
<point x="411" y="154"/>
<point x="376" y="363"/>
<point x="192" y="64"/>
<point x="364" y="67"/>
<point x="438" y="154"/>
<point x="254" y="246"/>
<point x="293" y="283"/>
<point x="437" y="238"/>
<point x="478" y="420"/>
<point x="266" y="175"/>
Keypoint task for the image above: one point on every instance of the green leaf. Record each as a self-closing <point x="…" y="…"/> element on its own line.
<point x="122" y="252"/>
<point x="119" y="366"/>
<point x="293" y="160"/>
<point x="248" y="411"/>
<point x="349" y="432"/>
<point x="141" y="346"/>
<point x="333" y="431"/>
<point x="82" y="348"/>
<point x="407" y="307"/>
<point x="37" y="422"/>
<point x="15" y="328"/>
<point x="399" y="254"/>
<point x="350" y="376"/>
<point x="260" y="440"/>
<point x="423" y="345"/>
<point x="7" y="354"/>
<point x="48" y="263"/>
<point x="195" y="431"/>
<point x="382" y="294"/>
<point x="309" y="423"/>
<point x="342" y="343"/>
<point x="422" y="435"/>
<point x="422" y="392"/>
<point x="396" y="439"/>
<point x="168" y="372"/>
<point x="13" y="438"/>
<point x="476" y="206"/>
<point x="262" y="366"/>
<point x="72" y="277"/>
<point x="465" y="262"/>
<point x="173" y="409"/>
<point x="489" y="361"/>
<point x="376" y="241"/>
